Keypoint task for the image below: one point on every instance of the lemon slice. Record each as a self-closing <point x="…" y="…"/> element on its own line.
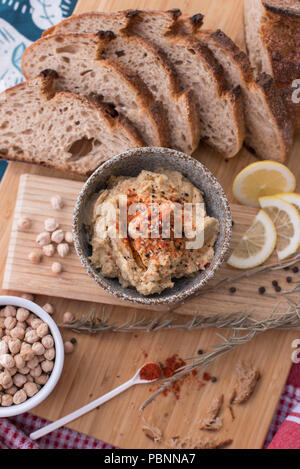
<point x="261" y="179"/>
<point x="292" y="198"/>
<point x="256" y="245"/>
<point x="286" y="219"/>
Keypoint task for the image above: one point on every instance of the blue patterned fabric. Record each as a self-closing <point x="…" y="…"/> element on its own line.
<point x="21" y="23"/>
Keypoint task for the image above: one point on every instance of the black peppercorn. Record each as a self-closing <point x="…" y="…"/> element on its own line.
<point x="289" y="279"/>
<point x="261" y="290"/>
<point x="295" y="269"/>
<point x="232" y="223"/>
<point x="200" y="352"/>
<point x="213" y="379"/>
<point x="274" y="283"/>
<point x="286" y="268"/>
<point x="278" y="288"/>
<point x="73" y="341"/>
<point x="232" y="289"/>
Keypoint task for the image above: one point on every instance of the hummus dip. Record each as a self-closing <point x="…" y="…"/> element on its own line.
<point x="139" y="259"/>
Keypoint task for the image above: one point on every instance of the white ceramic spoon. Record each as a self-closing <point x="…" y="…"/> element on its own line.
<point x="88" y="407"/>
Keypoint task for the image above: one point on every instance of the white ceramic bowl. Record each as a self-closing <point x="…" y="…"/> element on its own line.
<point x="59" y="357"/>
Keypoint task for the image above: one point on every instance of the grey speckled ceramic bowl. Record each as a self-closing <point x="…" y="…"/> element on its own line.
<point x="131" y="163"/>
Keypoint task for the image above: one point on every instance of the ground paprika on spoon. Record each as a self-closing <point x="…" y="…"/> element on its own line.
<point x="150" y="371"/>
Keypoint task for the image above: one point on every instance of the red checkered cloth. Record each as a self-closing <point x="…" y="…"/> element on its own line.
<point x="283" y="433"/>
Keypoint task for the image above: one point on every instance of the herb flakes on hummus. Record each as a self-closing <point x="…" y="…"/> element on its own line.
<point x="145" y="257"/>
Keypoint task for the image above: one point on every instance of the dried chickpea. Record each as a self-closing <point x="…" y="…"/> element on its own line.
<point x="2" y="319"/>
<point x="6" y="339"/>
<point x="69" y="237"/>
<point x="31" y="389"/>
<point x="19" y="397"/>
<point x="51" y="225"/>
<point x="7" y="361"/>
<point x="67" y="317"/>
<point x="1" y="333"/>
<point x="19" y="380"/>
<point x="6" y="400"/>
<point x="48" y="308"/>
<point x="50" y="354"/>
<point x="9" y="311"/>
<point x="13" y="371"/>
<point x="38" y="348"/>
<point x="3" y="347"/>
<point x="21" y="324"/>
<point x="49" y="250"/>
<point x="28" y="296"/>
<point x="42" y="379"/>
<point x="47" y="366"/>
<point x="31" y="337"/>
<point x="17" y="333"/>
<point x="57" y="202"/>
<point x="12" y="390"/>
<point x="5" y="379"/>
<point x="57" y="236"/>
<point x="69" y="347"/>
<point x="35" y="257"/>
<point x="33" y="363"/>
<point x="63" y="249"/>
<point x="26" y="352"/>
<point x="48" y="341"/>
<point x="35" y="323"/>
<point x="36" y="372"/>
<point x="42" y="330"/>
<point x="30" y="318"/>
<point x="10" y="323"/>
<point x="43" y="238"/>
<point x="24" y="371"/>
<point x="22" y="314"/>
<point x="20" y="362"/>
<point x="24" y="223"/>
<point x="14" y="346"/>
<point x="29" y="379"/>
<point x="56" y="268"/>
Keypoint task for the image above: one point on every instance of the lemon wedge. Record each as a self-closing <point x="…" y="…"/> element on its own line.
<point x="262" y="178"/>
<point x="286" y="219"/>
<point x="292" y="198"/>
<point x="256" y="245"/>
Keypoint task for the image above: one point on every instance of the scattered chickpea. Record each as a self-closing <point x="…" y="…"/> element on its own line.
<point x="7" y="361"/>
<point x="68" y="317"/>
<point x="69" y="237"/>
<point x="63" y="249"/>
<point x="49" y="250"/>
<point x="56" y="268"/>
<point x="24" y="223"/>
<point x="50" y="354"/>
<point x="10" y="323"/>
<point x="19" y="397"/>
<point x="43" y="238"/>
<point x="51" y="225"/>
<point x="6" y="400"/>
<point x="47" y="366"/>
<point x="31" y="337"/>
<point x="27" y="296"/>
<point x="57" y="202"/>
<point x="57" y="236"/>
<point x="69" y="347"/>
<point x="48" y="308"/>
<point x="38" y="348"/>
<point x="22" y="314"/>
<point x="14" y="346"/>
<point x="9" y="311"/>
<point x="19" y="380"/>
<point x="35" y="257"/>
<point x="48" y="341"/>
<point x="31" y="389"/>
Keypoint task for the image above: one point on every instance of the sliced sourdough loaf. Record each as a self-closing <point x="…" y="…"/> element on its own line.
<point x="93" y="22"/>
<point x="73" y="58"/>
<point x="221" y="112"/>
<point x="269" y="131"/>
<point x="151" y="64"/>
<point x="273" y="42"/>
<point x="61" y="130"/>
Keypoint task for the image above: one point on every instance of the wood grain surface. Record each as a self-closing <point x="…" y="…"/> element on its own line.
<point x="101" y="362"/>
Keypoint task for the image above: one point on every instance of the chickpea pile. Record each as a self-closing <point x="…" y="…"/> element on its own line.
<point x="27" y="355"/>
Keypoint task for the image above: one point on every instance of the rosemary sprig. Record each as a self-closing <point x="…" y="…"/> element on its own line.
<point x="219" y="350"/>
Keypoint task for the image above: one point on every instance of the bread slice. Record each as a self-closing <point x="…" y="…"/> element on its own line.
<point x="197" y="68"/>
<point x="93" y="22"/>
<point x="73" y="58"/>
<point x="269" y="131"/>
<point x="61" y="130"/>
<point x="273" y="42"/>
<point x="151" y="64"/>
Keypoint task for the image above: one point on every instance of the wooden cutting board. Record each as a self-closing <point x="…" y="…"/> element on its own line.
<point x="101" y="362"/>
<point x="33" y="201"/>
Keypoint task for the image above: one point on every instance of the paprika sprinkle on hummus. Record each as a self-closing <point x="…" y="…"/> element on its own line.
<point x="150" y="371"/>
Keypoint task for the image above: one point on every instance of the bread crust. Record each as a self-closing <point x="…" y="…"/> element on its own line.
<point x="281" y="8"/>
